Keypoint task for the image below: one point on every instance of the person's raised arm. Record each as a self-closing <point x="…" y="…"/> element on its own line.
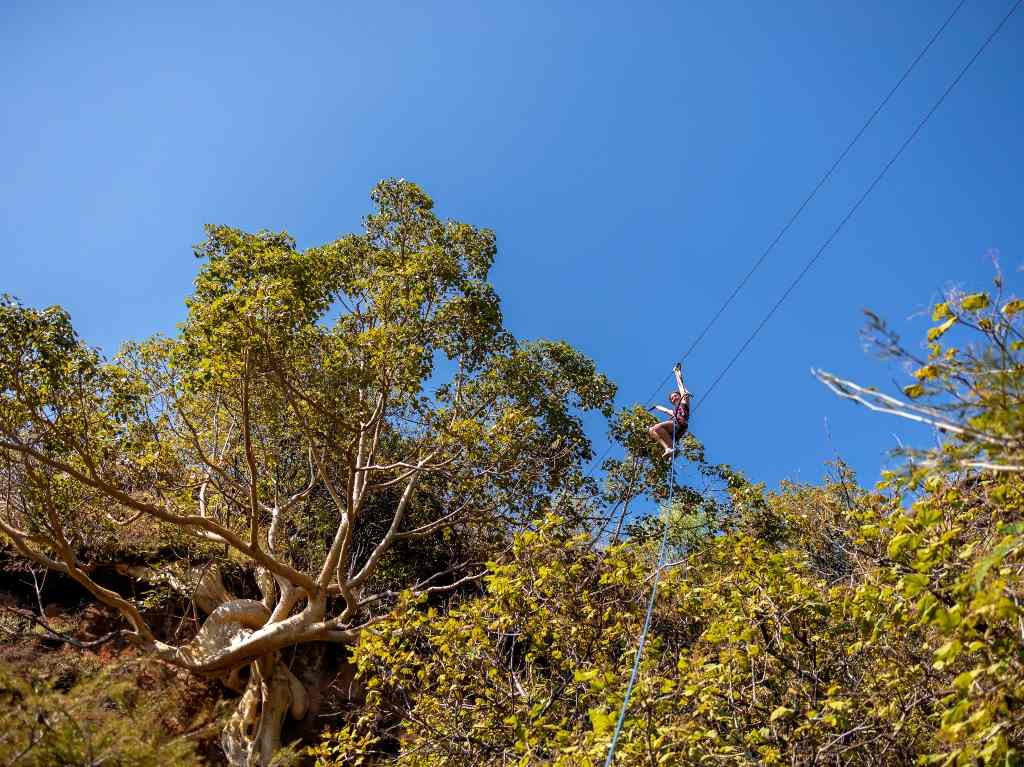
<point x="678" y="370"/>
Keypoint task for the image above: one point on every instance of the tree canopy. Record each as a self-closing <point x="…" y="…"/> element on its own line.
<point x="321" y="417"/>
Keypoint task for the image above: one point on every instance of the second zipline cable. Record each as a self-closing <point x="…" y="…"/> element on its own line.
<point x="860" y="200"/>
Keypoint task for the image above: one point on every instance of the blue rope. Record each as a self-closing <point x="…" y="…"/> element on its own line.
<point x="650" y="609"/>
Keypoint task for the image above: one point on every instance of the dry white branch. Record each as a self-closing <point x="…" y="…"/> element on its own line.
<point x="883" y="403"/>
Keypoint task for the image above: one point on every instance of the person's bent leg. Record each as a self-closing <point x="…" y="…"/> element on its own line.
<point x="669" y="439"/>
<point x="662" y="432"/>
<point x="655" y="433"/>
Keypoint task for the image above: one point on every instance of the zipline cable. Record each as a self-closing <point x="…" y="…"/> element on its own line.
<point x="817" y="187"/>
<point x="800" y="209"/>
<point x="860" y="200"/>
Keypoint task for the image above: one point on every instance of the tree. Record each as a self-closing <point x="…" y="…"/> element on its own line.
<point x="747" y="661"/>
<point x="317" y="413"/>
<point x="973" y="393"/>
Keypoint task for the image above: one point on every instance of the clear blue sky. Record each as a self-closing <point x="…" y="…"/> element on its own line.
<point x="634" y="159"/>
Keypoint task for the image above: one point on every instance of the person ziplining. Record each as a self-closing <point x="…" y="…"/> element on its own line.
<point x="667" y="433"/>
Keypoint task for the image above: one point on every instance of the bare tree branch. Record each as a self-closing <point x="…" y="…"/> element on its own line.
<point x="893" y="406"/>
<point x="185" y="520"/>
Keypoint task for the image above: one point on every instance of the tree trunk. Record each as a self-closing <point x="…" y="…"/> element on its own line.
<point x="252" y="735"/>
<point x="269" y="689"/>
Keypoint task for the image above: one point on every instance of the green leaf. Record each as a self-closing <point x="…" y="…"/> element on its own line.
<point x="915" y="584"/>
<point x="780" y="712"/>
<point x="901" y="542"/>
<point x="994" y="557"/>
<point x="947" y="620"/>
<point x="1014" y="306"/>
<point x="948" y="651"/>
<point x="975" y="302"/>
<point x="600" y="720"/>
<point x="966" y="679"/>
<point x="914" y="391"/>
<point x="940" y="330"/>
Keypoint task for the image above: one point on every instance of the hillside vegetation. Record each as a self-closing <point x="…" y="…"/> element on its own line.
<point x="344" y="517"/>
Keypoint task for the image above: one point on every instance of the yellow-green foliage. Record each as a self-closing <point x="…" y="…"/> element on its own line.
<point x="871" y="633"/>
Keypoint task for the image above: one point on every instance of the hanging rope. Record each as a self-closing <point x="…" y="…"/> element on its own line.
<point x="650" y="608"/>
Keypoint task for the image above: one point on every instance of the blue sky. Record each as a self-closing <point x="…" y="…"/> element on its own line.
<point x="634" y="159"/>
